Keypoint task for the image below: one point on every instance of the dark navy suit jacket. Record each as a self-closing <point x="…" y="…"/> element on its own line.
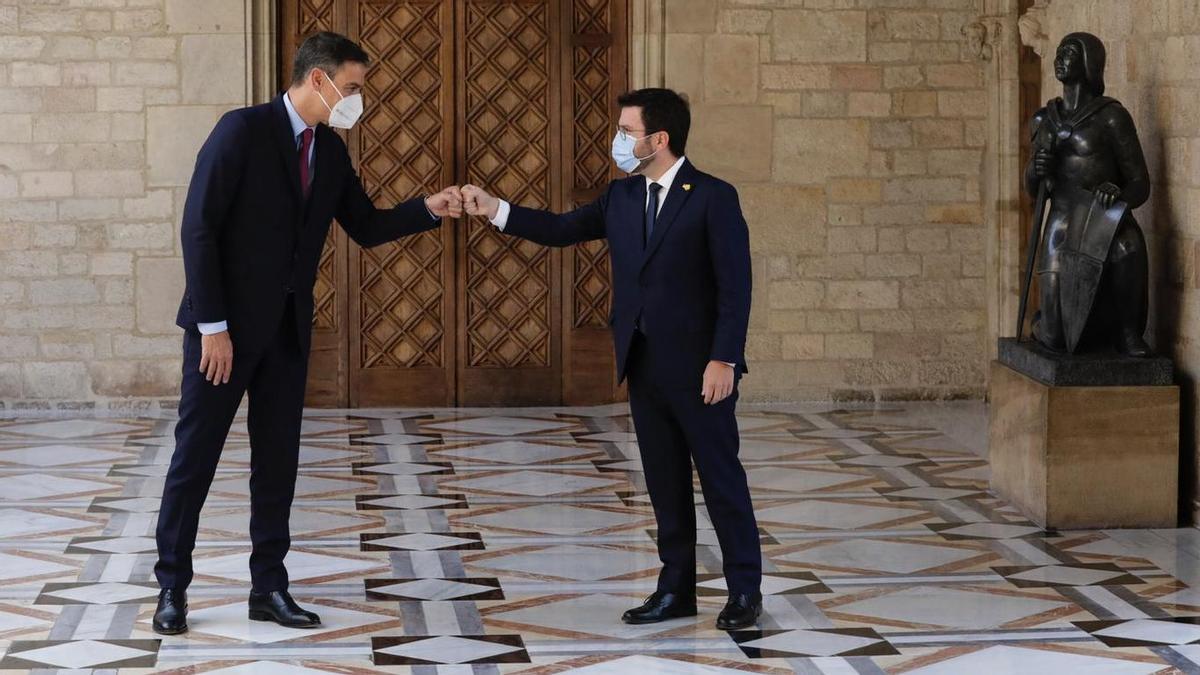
<point x="251" y="242"/>
<point x="690" y="284"/>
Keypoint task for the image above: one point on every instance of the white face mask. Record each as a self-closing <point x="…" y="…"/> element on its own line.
<point x="345" y="112"/>
<point x="623" y="154"/>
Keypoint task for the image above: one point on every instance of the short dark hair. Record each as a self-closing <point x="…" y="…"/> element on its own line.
<point x="662" y="110"/>
<point x="327" y="51"/>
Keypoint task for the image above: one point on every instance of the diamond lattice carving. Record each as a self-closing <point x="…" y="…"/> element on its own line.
<point x="315" y="16"/>
<point x="401" y="299"/>
<point x="591" y="16"/>
<point x="592" y="127"/>
<point x="507" y="146"/>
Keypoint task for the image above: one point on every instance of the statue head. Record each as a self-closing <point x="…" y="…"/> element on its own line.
<point x="1080" y="58"/>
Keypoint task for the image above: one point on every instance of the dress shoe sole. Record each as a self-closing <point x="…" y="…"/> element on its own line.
<point x="259" y="615"/>
<point x="683" y="614"/>
<point x="169" y="631"/>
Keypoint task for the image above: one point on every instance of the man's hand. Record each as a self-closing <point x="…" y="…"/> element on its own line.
<point x="718" y="382"/>
<point x="447" y="203"/>
<point x="478" y="202"/>
<point x="216" y="357"/>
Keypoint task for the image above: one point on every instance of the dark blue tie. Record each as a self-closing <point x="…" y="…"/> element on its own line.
<point x="651" y="213"/>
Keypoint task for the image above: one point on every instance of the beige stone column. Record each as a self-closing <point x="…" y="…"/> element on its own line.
<point x="994" y="38"/>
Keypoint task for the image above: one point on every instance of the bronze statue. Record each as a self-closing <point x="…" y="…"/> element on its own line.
<point x="1092" y="267"/>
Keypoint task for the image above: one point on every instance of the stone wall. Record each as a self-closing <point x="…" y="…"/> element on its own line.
<point x="852" y="128"/>
<point x="103" y="104"/>
<point x="1154" y="69"/>
<point x="854" y="132"/>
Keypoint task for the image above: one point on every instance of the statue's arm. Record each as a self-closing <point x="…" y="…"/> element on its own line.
<point x="1031" y="178"/>
<point x="1131" y="161"/>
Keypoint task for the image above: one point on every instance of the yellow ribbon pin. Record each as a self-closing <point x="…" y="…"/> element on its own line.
<point x="687" y="187"/>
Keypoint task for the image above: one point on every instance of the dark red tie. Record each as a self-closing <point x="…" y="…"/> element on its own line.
<point x="306" y="137"/>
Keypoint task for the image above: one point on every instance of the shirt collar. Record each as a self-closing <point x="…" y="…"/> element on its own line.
<point x="668" y="177"/>
<point x="298" y="125"/>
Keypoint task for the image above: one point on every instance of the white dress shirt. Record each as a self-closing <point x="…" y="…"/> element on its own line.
<point x="298" y="127"/>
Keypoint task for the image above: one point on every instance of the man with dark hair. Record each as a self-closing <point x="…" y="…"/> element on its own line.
<point x="266" y="185"/>
<point x="680" y="256"/>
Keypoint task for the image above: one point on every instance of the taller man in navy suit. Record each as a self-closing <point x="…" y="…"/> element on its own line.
<point x="267" y="183"/>
<point x="681" y="302"/>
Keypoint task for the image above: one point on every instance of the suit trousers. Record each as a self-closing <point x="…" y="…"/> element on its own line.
<point x="674" y="429"/>
<point x="274" y="379"/>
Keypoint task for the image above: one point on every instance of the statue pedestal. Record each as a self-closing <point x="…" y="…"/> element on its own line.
<point x="1085" y="457"/>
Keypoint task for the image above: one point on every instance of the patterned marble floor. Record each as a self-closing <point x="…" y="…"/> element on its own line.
<point x="510" y="540"/>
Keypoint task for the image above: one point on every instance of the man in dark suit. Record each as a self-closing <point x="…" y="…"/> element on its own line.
<point x="681" y="302"/>
<point x="267" y="183"/>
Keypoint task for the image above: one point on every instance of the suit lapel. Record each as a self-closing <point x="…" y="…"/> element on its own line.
<point x="675" y="200"/>
<point x="286" y="143"/>
<point x="322" y="174"/>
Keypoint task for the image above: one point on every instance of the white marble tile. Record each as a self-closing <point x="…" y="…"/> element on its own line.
<point x="80" y="654"/>
<point x="1165" y="632"/>
<point x="880" y="555"/>
<point x="1006" y="659"/>
<point x="950" y="607"/>
<point x="449" y="649"/>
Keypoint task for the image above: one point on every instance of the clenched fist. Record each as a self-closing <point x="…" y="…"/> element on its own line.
<point x="478" y="202"/>
<point x="448" y="202"/>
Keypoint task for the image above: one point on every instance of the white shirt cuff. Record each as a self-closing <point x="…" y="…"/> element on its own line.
<point x="213" y="328"/>
<point x="501" y="218"/>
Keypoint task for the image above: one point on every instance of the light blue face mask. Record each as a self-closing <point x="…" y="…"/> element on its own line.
<point x="623" y="155"/>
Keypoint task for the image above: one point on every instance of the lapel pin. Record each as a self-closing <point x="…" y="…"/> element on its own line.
<point x="687" y="187"/>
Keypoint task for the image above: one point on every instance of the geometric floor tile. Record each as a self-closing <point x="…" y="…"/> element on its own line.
<point x="428" y="589"/>
<point x="97" y="593"/>
<point x="570" y="561"/>
<point x="74" y="428"/>
<point x="957" y="532"/>
<point x="651" y="665"/>
<point x="767" y="644"/>
<point x="1082" y="574"/>
<point x="23" y="566"/>
<point x="499" y="426"/>
<point x="421" y="541"/>
<point x="402" y="468"/>
<point x="409" y="502"/>
<point x="951" y="607"/>
<point x="513" y="452"/>
<point x="532" y="483"/>
<point x="879" y="555"/>
<point x="998" y="659"/>
<point x="309" y="566"/>
<point x="415" y="650"/>
<point x="76" y="654"/>
<point x="929" y="493"/>
<point x="124" y="504"/>
<point x="58" y="455"/>
<point x="43" y="486"/>
<point x="554" y="518"/>
<point x="773" y="583"/>
<point x="85" y="545"/>
<point x="1179" y="630"/>
<point x="839" y="515"/>
<point x="26" y="522"/>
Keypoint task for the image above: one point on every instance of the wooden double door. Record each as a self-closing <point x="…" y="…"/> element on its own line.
<point x="517" y="96"/>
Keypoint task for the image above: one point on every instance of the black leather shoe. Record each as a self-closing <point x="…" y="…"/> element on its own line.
<point x="661" y="606"/>
<point x="742" y="611"/>
<point x="279" y="607"/>
<point x="170" y="618"/>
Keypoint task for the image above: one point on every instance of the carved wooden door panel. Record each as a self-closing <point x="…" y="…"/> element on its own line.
<point x="514" y="95"/>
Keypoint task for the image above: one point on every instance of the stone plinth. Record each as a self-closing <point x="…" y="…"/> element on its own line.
<point x="1085" y="457"/>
